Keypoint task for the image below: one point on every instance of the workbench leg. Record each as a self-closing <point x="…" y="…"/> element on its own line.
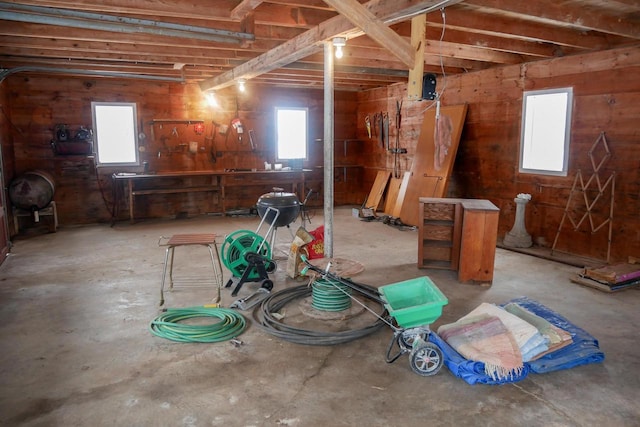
<point x="131" y="199"/>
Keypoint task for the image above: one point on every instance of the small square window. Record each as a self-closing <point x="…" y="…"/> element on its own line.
<point x="546" y="130"/>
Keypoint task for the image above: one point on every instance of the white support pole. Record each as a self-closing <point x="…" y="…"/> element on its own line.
<point x="328" y="149"/>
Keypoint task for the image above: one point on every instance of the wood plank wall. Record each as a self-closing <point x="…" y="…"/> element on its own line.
<point x="6" y="161"/>
<point x="606" y="98"/>
<point x="37" y="103"/>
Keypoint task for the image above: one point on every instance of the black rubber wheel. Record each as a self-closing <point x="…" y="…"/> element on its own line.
<point x="267" y="284"/>
<point x="426" y="360"/>
<point x="270" y="266"/>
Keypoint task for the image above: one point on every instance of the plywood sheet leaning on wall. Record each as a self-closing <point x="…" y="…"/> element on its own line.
<point x="432" y="163"/>
<point x="402" y="191"/>
<point x="374" y="201"/>
<point x="393" y="190"/>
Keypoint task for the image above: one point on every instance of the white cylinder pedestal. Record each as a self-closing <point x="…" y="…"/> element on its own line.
<point x="518" y="236"/>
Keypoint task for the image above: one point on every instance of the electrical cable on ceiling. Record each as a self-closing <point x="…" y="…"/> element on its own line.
<point x="166" y="325"/>
<point x="265" y="320"/>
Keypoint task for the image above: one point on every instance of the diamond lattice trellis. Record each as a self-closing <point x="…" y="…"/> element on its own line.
<point x="599" y="154"/>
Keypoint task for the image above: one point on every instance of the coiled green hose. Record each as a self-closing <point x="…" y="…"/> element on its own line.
<point x="166" y="325"/>
<point x="330" y="296"/>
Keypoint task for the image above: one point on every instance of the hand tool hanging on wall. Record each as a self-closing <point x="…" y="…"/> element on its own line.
<point x="367" y="123"/>
<point x="212" y="139"/>
<point x="236" y="123"/>
<point x="385" y="130"/>
<point x="376" y="125"/>
<point x="397" y="150"/>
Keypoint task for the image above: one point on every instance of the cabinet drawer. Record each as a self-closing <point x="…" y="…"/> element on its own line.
<point x="439" y="211"/>
<point x="431" y="231"/>
<point x="436" y="253"/>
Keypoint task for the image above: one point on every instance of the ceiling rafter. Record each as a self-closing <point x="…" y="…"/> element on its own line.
<point x="367" y="22"/>
<point x="309" y="42"/>
<point x="289" y="35"/>
<point x="244" y="7"/>
<point x="554" y="12"/>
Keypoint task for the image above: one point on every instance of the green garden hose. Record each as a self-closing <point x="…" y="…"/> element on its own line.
<point x="230" y="325"/>
<point x="330" y="296"/>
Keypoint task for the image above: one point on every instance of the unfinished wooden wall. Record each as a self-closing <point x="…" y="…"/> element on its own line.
<point x="606" y="98"/>
<point x="37" y="103"/>
<point x="7" y="167"/>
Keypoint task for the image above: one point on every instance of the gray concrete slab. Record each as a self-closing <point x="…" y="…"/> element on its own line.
<point x="76" y="350"/>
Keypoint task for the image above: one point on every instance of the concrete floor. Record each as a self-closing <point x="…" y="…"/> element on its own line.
<point x="76" y="350"/>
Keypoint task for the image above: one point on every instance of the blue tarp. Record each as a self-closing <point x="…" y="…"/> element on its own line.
<point x="582" y="351"/>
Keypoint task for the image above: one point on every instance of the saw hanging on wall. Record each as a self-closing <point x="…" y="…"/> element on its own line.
<point x="385" y="130"/>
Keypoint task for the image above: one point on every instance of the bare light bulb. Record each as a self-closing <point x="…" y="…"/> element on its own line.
<point x="241" y="86"/>
<point x="339" y="43"/>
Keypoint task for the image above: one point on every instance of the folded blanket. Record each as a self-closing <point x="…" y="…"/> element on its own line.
<point x="485" y="338"/>
<point x="583" y="350"/>
<point x="555" y="338"/>
<point x="522" y="331"/>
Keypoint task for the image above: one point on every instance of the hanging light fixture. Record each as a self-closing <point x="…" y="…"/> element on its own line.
<point x="339" y="43"/>
<point x="241" y="85"/>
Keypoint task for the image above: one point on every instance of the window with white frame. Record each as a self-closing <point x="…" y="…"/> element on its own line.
<point x="115" y="133"/>
<point x="546" y="130"/>
<point x="291" y="133"/>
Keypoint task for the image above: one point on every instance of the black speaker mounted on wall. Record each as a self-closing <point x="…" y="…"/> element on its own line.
<point x="429" y="86"/>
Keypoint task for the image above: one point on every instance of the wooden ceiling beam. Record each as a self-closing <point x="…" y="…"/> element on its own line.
<point x="455" y="50"/>
<point x="476" y="21"/>
<point x="244" y="7"/>
<point x="367" y="22"/>
<point x="47" y="35"/>
<point x="555" y="12"/>
<point x="309" y="42"/>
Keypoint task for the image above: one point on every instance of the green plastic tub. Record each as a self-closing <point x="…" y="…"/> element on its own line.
<point x="414" y="302"/>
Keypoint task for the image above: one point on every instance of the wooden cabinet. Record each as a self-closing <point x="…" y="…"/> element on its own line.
<point x="458" y="234"/>
<point x="440" y="230"/>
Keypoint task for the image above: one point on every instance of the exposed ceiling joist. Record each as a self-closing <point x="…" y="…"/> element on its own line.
<point x="118" y="24"/>
<point x="280" y="40"/>
<point x="367" y="22"/>
<point x="552" y="11"/>
<point x="244" y="7"/>
<point x="310" y="41"/>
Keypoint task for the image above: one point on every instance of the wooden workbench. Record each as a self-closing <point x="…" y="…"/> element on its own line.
<point x="133" y="186"/>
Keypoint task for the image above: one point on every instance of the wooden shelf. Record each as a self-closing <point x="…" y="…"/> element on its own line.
<point x="175" y="190"/>
<point x="177" y="121"/>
